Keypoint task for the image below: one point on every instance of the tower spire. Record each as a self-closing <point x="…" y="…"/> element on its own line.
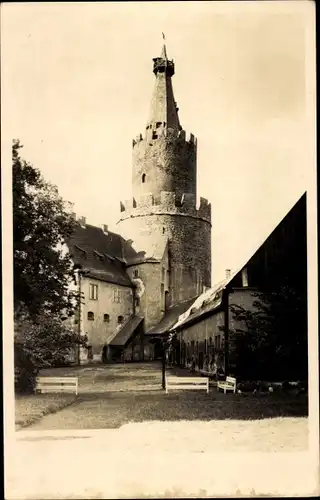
<point x="164" y="110"/>
<point x="164" y="49"/>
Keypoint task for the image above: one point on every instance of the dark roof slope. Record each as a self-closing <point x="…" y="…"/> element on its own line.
<point x="100" y="254"/>
<point x="171" y="317"/>
<point x="123" y="336"/>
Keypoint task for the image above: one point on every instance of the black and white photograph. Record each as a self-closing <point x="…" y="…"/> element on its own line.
<point x="159" y="236"/>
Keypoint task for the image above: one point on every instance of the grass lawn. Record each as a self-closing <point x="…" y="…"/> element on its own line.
<point x="32" y="407"/>
<point x="112" y="396"/>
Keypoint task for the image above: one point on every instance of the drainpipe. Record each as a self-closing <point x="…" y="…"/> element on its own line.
<point x="163" y="359"/>
<point x="226" y="331"/>
<point x="79" y="318"/>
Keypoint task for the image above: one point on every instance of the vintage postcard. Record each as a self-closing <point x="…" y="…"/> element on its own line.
<point x="159" y="249"/>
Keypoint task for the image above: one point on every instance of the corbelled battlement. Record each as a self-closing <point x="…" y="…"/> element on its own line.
<point x="161" y="132"/>
<point x="168" y="202"/>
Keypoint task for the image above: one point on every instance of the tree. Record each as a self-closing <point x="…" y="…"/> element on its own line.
<point x="43" y="272"/>
<point x="41" y="223"/>
<point x="270" y="340"/>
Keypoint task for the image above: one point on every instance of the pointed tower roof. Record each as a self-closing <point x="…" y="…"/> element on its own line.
<point x="163" y="106"/>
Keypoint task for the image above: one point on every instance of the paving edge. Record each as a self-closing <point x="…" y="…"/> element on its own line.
<point x="48" y="411"/>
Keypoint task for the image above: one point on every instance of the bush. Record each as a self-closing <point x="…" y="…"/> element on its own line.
<point x="25" y="371"/>
<point x="41" y="343"/>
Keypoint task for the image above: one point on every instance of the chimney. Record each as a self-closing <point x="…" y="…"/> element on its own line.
<point x="82" y="221"/>
<point x="105" y="228"/>
<point x="228" y="273"/>
<point x="244" y="277"/>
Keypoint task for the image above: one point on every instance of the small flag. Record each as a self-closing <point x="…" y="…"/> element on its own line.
<point x="163" y="36"/>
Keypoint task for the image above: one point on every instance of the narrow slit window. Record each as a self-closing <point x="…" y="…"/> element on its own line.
<point x="143" y="178"/>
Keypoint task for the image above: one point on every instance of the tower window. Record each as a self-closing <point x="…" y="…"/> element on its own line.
<point x="106" y="318"/>
<point x="120" y="320"/>
<point x="136" y="273"/>
<point x="90" y="316"/>
<point x="158" y="124"/>
<point x="154" y="135"/>
<point x="143" y="178"/>
<point x="163" y="230"/>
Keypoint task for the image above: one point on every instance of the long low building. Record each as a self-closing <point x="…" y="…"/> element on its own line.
<point x="205" y="332"/>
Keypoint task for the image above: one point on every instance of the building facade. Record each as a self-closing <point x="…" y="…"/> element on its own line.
<point x="207" y="330"/>
<point x="162" y="255"/>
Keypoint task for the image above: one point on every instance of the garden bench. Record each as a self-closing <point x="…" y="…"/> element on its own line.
<point x="57" y="384"/>
<point x="227" y="385"/>
<point x="186" y="383"/>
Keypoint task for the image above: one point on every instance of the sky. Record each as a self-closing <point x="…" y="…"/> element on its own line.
<point x="77" y="82"/>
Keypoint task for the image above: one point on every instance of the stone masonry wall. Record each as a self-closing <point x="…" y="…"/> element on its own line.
<point x="166" y="163"/>
<point x="189" y="249"/>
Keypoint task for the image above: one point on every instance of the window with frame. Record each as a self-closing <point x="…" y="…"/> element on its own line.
<point x="90" y="316"/>
<point x="218" y="341"/>
<point x="106" y="318"/>
<point x="192" y="347"/>
<point x="93" y="292"/>
<point x="120" y="320"/>
<point x="117" y="296"/>
<point x="89" y="352"/>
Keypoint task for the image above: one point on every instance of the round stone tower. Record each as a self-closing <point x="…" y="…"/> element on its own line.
<point x="163" y="210"/>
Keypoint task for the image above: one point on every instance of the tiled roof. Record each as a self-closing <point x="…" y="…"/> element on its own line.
<point x="100" y="254"/>
<point x="171" y="317"/>
<point x="122" y="337"/>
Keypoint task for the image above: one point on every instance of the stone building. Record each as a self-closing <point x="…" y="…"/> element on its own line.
<point x="162" y="257"/>
<point x="206" y="328"/>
